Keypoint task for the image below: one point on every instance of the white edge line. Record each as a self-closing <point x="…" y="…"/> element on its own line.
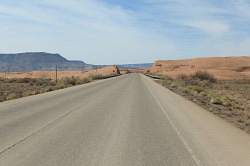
<point x="187" y="146"/>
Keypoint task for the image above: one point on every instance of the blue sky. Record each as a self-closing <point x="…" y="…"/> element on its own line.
<point x="128" y="31"/>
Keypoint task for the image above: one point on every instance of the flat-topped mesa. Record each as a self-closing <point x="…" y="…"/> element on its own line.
<point x="33" y="61"/>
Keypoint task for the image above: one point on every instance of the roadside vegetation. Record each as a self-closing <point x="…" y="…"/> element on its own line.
<point x="227" y="99"/>
<point x="21" y="87"/>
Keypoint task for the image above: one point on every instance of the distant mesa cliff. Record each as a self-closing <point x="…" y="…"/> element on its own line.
<point x="32" y="61"/>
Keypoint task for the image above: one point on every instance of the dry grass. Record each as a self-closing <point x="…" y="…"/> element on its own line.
<point x="21" y="84"/>
<point x="20" y="87"/>
<point x="228" y="99"/>
<point x="223" y="68"/>
<point x="105" y="71"/>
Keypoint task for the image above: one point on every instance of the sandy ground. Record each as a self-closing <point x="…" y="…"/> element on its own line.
<point x="62" y="74"/>
<point x="221" y="67"/>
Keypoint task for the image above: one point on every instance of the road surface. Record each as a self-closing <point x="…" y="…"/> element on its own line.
<point x="124" y="121"/>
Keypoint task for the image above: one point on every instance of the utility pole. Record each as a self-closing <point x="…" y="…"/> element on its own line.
<point x="56" y="73"/>
<point x="83" y="69"/>
<point x="5" y="75"/>
<point x="6" y="72"/>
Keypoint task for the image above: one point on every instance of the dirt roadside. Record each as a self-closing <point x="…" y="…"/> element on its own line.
<point x="228" y="99"/>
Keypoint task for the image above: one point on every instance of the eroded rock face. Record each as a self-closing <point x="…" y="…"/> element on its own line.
<point x="220" y="67"/>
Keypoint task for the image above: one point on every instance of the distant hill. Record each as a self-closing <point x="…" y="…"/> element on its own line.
<point x="136" y="66"/>
<point x="221" y="67"/>
<point x="32" y="61"/>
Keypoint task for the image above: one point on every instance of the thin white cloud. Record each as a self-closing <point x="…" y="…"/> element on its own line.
<point x="88" y="30"/>
<point x="241" y="8"/>
<point x="210" y="26"/>
<point x="200" y="15"/>
<point x="99" y="32"/>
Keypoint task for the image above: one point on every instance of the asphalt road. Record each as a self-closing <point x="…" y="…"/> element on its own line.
<point x="124" y="121"/>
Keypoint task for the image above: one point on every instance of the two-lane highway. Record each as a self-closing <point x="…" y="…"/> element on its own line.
<point x="124" y="121"/>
